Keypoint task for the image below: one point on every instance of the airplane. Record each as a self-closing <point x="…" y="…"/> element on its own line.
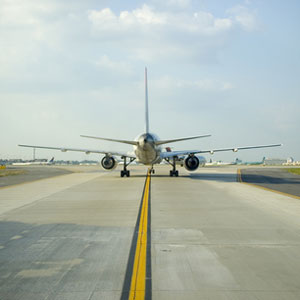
<point x="35" y="162"/>
<point x="254" y="163"/>
<point x="147" y="149"/>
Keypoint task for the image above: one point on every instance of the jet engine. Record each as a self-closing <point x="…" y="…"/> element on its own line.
<point x="191" y="163"/>
<point x="109" y="162"/>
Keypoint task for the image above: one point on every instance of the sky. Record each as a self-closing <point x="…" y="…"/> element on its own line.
<point x="228" y="68"/>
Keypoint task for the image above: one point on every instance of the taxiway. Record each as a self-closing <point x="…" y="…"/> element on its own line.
<point x="212" y="237"/>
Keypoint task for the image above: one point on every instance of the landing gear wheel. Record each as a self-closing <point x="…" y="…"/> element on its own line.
<point x="174" y="173"/>
<point x="125" y="173"/>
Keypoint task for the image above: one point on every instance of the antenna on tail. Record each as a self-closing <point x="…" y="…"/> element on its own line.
<point x="146" y="102"/>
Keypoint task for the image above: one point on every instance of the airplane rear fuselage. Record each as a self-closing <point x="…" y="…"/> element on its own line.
<point x="146" y="151"/>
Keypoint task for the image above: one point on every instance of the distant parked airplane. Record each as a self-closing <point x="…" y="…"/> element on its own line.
<point x="35" y="162"/>
<point x="148" y="151"/>
<point x="253" y="163"/>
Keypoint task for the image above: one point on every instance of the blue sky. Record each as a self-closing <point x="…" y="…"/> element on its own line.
<point x="229" y="68"/>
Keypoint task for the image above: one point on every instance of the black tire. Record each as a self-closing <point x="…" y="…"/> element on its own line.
<point x="176" y="173"/>
<point x="171" y="173"/>
<point x="122" y="174"/>
<point x="128" y="173"/>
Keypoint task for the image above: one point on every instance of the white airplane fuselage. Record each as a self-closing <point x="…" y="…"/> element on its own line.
<point x="146" y="151"/>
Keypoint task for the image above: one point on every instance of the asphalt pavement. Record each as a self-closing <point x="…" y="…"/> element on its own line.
<point x="278" y="179"/>
<point x="31" y="173"/>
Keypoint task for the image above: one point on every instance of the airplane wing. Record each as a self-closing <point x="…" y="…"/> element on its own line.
<point x="87" y="151"/>
<point x="234" y="149"/>
<point x="177" y="153"/>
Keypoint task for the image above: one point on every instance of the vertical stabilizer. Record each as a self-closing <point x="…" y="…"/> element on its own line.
<point x="146" y="102"/>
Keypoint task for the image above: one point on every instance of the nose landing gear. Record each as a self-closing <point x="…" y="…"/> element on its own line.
<point x="152" y="171"/>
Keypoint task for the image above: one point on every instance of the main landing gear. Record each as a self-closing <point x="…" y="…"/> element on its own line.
<point x="173" y="172"/>
<point x="126" y="172"/>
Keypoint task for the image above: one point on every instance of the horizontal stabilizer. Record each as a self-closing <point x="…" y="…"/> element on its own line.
<point x="110" y="140"/>
<point x="181" y="139"/>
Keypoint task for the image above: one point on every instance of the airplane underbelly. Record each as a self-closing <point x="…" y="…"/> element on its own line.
<point x="146" y="157"/>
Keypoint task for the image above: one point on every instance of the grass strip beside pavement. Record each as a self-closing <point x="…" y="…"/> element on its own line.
<point x="6" y="172"/>
<point x="294" y="170"/>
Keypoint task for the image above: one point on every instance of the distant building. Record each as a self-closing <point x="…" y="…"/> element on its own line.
<point x="291" y="162"/>
<point x="274" y="161"/>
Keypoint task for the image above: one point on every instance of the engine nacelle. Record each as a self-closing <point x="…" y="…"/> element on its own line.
<point x="191" y="163"/>
<point x="109" y="163"/>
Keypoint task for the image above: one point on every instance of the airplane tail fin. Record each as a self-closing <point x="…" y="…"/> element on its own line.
<point x="146" y="103"/>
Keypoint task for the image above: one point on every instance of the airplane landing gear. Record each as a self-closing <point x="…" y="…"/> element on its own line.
<point x="152" y="170"/>
<point x="126" y="172"/>
<point x="173" y="172"/>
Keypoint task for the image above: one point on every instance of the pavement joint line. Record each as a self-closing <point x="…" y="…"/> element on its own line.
<point x="239" y="179"/>
<point x="137" y="282"/>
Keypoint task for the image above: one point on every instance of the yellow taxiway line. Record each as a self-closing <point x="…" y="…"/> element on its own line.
<point x="138" y="279"/>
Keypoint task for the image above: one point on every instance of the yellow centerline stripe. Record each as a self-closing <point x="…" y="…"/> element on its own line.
<point x="264" y="188"/>
<point x="138" y="279"/>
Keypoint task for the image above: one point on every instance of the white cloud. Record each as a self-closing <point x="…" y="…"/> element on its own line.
<point x="244" y="17"/>
<point x="139" y="19"/>
<point x="49" y="40"/>
<point x="151" y="35"/>
<point x="105" y="19"/>
<point x="44" y="45"/>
